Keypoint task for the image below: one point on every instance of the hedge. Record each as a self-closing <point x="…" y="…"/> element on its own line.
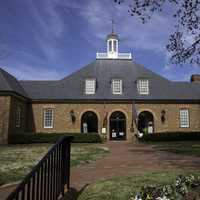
<point x="171" y="136"/>
<point x="30" y="138"/>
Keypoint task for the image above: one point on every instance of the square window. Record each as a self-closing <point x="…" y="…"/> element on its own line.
<point x="184" y="118"/>
<point x="90" y="86"/>
<point x="117" y="86"/>
<point x="48" y="118"/>
<point x="143" y="86"/>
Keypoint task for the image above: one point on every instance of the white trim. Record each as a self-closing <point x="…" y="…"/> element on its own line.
<point x="90" y="86"/>
<point x="184" y="118"/>
<point x="112" y="52"/>
<point x="115" y="86"/>
<point x="121" y="56"/>
<point x="143" y="86"/>
<point x="52" y="118"/>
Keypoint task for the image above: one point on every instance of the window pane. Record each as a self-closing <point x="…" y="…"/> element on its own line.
<point x="18" y="117"/>
<point x="48" y="118"/>
<point x="115" y="45"/>
<point x="117" y="86"/>
<point x="143" y="86"/>
<point x="110" y="45"/>
<point x="90" y="86"/>
<point x="184" y="118"/>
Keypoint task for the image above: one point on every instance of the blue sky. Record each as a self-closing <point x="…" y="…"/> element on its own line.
<point x="49" y="39"/>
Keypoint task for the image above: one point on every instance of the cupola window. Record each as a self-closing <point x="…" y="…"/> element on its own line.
<point x="143" y="86"/>
<point x="110" y="46"/>
<point x="115" y="45"/>
<point x="90" y="86"/>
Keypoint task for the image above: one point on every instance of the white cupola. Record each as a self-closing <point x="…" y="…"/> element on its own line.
<point x="112" y="45"/>
<point x="112" y="41"/>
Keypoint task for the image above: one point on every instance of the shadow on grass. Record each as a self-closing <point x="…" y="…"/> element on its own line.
<point x="73" y="194"/>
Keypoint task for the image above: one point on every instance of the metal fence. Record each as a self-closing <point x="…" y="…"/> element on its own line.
<point x="50" y="177"/>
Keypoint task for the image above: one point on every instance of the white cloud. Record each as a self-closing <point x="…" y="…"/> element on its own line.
<point x="49" y="18"/>
<point x="50" y="26"/>
<point x="151" y="36"/>
<point x="180" y="73"/>
<point x="25" y="72"/>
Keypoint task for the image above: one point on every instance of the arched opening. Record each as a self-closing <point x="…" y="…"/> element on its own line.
<point x="117" y="126"/>
<point x="145" y="122"/>
<point x="89" y="122"/>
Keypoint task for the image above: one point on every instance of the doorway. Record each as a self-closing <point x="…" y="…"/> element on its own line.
<point x="117" y="126"/>
<point x="145" y="122"/>
<point x="89" y="122"/>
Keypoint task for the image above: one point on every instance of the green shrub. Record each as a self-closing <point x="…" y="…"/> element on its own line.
<point x="171" y="136"/>
<point x="145" y="131"/>
<point x="30" y="138"/>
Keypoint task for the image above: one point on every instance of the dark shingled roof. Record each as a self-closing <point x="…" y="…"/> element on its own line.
<point x="9" y="83"/>
<point x="104" y="70"/>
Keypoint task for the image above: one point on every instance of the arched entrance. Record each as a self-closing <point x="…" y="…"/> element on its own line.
<point x="117" y="126"/>
<point x="89" y="122"/>
<point x="145" y="122"/>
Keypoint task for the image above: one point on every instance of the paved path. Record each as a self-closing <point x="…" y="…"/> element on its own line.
<point x="125" y="159"/>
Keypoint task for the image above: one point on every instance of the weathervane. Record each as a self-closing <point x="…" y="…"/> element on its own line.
<point x="113" y="25"/>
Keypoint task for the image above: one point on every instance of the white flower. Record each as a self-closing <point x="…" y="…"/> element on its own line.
<point x="138" y="197"/>
<point x="140" y="135"/>
<point x="162" y="198"/>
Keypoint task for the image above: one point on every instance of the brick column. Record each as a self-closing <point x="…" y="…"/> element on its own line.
<point x="4" y="118"/>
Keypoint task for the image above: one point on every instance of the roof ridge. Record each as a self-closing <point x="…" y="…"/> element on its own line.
<point x="39" y="81"/>
<point x="12" y="83"/>
<point x="152" y="72"/>
<point x="2" y="71"/>
<point x="77" y="71"/>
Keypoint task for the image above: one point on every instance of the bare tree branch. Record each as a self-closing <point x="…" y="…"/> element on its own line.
<point x="187" y="14"/>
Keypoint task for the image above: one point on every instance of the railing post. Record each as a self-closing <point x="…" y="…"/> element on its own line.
<point x="68" y="162"/>
<point x="51" y="173"/>
<point x="64" y="166"/>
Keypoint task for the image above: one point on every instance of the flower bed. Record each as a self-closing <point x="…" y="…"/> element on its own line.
<point x="184" y="188"/>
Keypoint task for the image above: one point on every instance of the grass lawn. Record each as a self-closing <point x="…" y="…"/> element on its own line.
<point x="123" y="188"/>
<point x="191" y="148"/>
<point x="17" y="160"/>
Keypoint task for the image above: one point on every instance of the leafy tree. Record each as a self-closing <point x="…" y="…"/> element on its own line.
<point x="184" y="42"/>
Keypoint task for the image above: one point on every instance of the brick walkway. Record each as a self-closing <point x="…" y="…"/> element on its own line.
<point x="124" y="159"/>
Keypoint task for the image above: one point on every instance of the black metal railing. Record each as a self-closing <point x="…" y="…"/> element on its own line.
<point x="50" y="177"/>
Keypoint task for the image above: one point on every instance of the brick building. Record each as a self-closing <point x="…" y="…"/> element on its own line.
<point x="113" y="96"/>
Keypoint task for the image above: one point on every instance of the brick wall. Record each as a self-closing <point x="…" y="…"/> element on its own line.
<point x="172" y="116"/>
<point x="8" y="105"/>
<point x="22" y="103"/>
<point x="4" y="118"/>
<point x="63" y="122"/>
<point x="62" y="118"/>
